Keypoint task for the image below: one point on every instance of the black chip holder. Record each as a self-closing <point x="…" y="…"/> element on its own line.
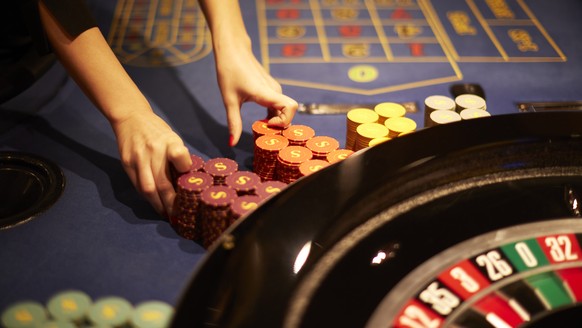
<point x="29" y="185"/>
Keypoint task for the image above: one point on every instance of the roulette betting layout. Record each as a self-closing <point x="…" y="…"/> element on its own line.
<point x="482" y="231"/>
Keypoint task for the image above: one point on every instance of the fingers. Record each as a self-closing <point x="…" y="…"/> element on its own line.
<point x="281" y="108"/>
<point x="146" y="185"/>
<point x="234" y="121"/>
<point x="179" y="156"/>
<point x="150" y="174"/>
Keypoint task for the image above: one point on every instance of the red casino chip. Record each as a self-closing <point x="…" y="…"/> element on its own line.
<point x="220" y="168"/>
<point x="298" y="135"/>
<point x="267" y="189"/>
<point x="193" y="182"/>
<point x="338" y="155"/>
<point x="262" y="128"/>
<point x="217" y="196"/>
<point x="312" y="166"/>
<point x="186" y="205"/>
<point x="197" y="163"/>
<point x="243" y="182"/>
<point x="288" y="162"/>
<point x="184" y="229"/>
<point x="244" y="205"/>
<point x="320" y="146"/>
<point x="214" y="212"/>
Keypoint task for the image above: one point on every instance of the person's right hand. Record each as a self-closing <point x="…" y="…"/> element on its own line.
<point x="147" y="146"/>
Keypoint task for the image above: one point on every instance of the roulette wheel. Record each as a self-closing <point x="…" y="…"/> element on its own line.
<point x="469" y="224"/>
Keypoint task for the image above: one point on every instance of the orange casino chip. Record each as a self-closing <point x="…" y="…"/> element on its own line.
<point x="321" y="146"/>
<point x="298" y="135"/>
<point x="338" y="155"/>
<point x="311" y="166"/>
<point x="261" y="128"/>
<point x="288" y="162"/>
<point x="267" y="148"/>
<point x="295" y="155"/>
<point x="269" y="143"/>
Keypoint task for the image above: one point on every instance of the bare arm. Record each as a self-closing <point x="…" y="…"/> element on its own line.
<point x="146" y="143"/>
<point x="240" y="76"/>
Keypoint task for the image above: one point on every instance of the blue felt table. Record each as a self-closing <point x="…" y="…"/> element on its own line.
<point x="102" y="238"/>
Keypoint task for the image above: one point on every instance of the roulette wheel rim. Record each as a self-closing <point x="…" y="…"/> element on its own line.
<point x="253" y="276"/>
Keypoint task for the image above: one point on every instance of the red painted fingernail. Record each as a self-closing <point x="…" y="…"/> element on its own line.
<point x="231" y="141"/>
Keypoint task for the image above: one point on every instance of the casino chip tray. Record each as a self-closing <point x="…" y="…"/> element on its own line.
<point x="474" y="223"/>
<point x="29" y="185"/>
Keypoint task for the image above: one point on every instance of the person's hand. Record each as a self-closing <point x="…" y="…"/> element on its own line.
<point x="242" y="78"/>
<point x="147" y="146"/>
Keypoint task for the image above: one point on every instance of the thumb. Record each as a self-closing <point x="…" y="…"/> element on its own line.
<point x="281" y="108"/>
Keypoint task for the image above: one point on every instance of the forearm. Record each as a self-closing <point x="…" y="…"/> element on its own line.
<point x="92" y="64"/>
<point x="226" y="24"/>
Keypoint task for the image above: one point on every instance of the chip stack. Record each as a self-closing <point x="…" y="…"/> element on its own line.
<point x="111" y="311"/>
<point x="320" y="146"/>
<point x="437" y="103"/>
<point x="243" y="182"/>
<point x="439" y="117"/>
<point x="465" y="101"/>
<point x="298" y="135"/>
<point x="377" y="141"/>
<point x="197" y="165"/>
<point x="220" y="168"/>
<point x="471" y="113"/>
<point x="70" y="306"/>
<point x="266" y="189"/>
<point x="215" y="204"/>
<point x="288" y="162"/>
<point x="267" y="148"/>
<point x="311" y="166"/>
<point x="367" y="132"/>
<point x="262" y="128"/>
<point x="243" y="205"/>
<point x="24" y="314"/>
<point x="152" y="314"/>
<point x="387" y="110"/>
<point x="399" y="125"/>
<point x="338" y="155"/>
<point x="187" y="204"/>
<point x="355" y="117"/>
